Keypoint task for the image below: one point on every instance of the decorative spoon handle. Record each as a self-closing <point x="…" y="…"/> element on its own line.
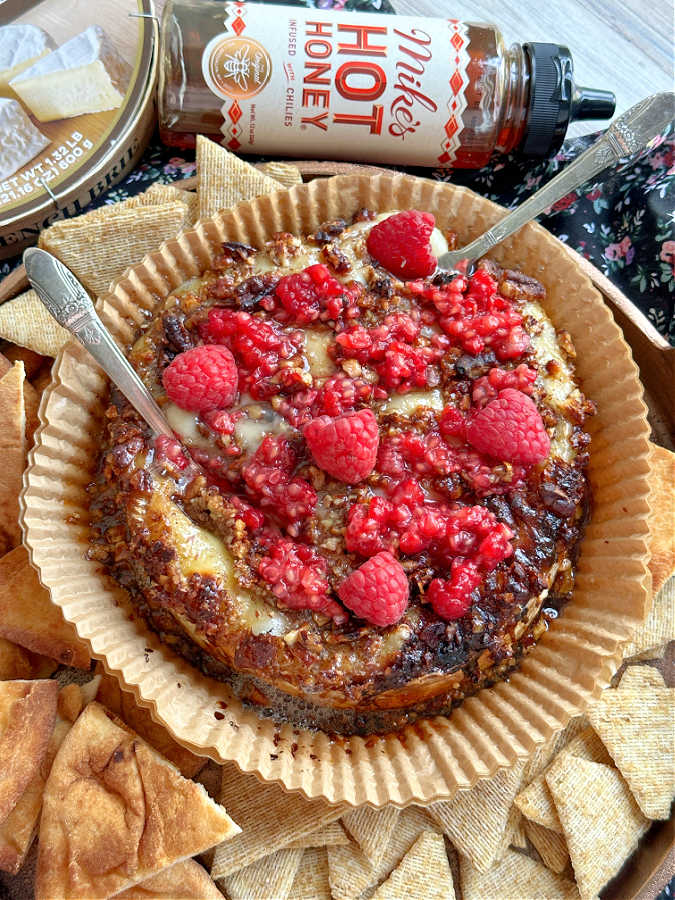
<point x="70" y="304"/>
<point x="623" y="142"/>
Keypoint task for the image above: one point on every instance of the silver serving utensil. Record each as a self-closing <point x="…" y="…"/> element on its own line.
<point x="69" y="303"/>
<point x="623" y="142"/>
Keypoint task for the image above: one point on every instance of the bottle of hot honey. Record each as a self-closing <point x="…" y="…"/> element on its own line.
<point x="313" y="83"/>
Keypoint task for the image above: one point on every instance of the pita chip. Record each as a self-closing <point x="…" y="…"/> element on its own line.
<point x="269" y="817"/>
<point x="123" y="704"/>
<point x="185" y="881"/>
<point x="18" y="663"/>
<point x="311" y="879"/>
<point x="372" y="829"/>
<point x="641" y="678"/>
<point x="115" y="813"/>
<point x="225" y="180"/>
<point x="27" y="716"/>
<point x="519" y="838"/>
<point x="550" y="846"/>
<point x="422" y="874"/>
<point x="601" y="820"/>
<point x="332" y="835"/>
<point x="351" y="873"/>
<point x="475" y="820"/>
<point x="508" y="878"/>
<point x="658" y="629"/>
<point x="29" y="618"/>
<point x="285" y="173"/>
<point x="13" y="454"/>
<point x="99" y="248"/>
<point x="271" y="876"/>
<point x="637" y="726"/>
<point x="25" y="321"/>
<point x="662" y="515"/>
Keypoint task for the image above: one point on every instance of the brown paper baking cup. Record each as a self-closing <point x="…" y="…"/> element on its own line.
<point x="432" y="759"/>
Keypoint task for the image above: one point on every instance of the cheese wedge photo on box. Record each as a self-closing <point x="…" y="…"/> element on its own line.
<point x="20" y="47"/>
<point x="20" y="140"/>
<point x="84" y="75"/>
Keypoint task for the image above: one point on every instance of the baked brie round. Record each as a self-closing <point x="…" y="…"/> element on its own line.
<point x="376" y="492"/>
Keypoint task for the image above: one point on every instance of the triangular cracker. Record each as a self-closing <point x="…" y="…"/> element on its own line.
<point x="641" y="678"/>
<point x="637" y="726"/>
<point x="225" y="180"/>
<point x="271" y="876"/>
<point x="658" y="628"/>
<point x="332" y="835"/>
<point x="311" y="879"/>
<point x="27" y="716"/>
<point x="29" y="618"/>
<point x="550" y="846"/>
<point x="123" y="704"/>
<point x="475" y="820"/>
<point x="269" y="818"/>
<point x="285" y="173"/>
<point x="601" y="820"/>
<point x="350" y="871"/>
<point x="25" y="321"/>
<point x="372" y="829"/>
<point x="422" y="874"/>
<point x="12" y="453"/>
<point x="184" y="881"/>
<point x="116" y="813"/>
<point x="516" y="876"/>
<point x="99" y="249"/>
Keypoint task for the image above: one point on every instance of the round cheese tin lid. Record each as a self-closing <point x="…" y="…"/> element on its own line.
<point x="77" y="86"/>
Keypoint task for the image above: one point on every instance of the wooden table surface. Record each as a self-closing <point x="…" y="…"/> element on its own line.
<point x="623" y="46"/>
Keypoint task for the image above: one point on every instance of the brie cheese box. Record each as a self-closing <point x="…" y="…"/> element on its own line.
<point x="77" y="92"/>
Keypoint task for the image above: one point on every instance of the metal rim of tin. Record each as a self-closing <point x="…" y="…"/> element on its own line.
<point x="131" y="119"/>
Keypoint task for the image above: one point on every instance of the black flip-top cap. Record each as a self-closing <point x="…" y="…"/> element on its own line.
<point x="555" y="99"/>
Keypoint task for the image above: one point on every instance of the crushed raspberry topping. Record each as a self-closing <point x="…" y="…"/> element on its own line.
<point x="170" y="450"/>
<point x="377" y="591"/>
<point x="270" y="482"/>
<point x="344" y="447"/>
<point x="201" y="379"/>
<point x="314" y="294"/>
<point x="510" y="428"/>
<point x="400" y="243"/>
<point x="297" y="576"/>
<point x="487" y="387"/>
<point x="451" y="597"/>
<point x="390" y="350"/>
<point x="337" y="395"/>
<point x="475" y="316"/>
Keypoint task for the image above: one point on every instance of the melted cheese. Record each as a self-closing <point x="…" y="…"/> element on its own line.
<point x="316" y="350"/>
<point x="407" y="404"/>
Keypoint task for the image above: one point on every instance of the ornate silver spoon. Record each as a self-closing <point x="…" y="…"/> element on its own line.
<point x="623" y="142"/>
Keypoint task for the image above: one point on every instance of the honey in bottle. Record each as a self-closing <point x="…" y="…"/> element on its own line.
<point x="401" y="90"/>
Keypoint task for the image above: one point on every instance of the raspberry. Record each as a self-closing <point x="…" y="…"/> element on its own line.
<point x="313" y="293"/>
<point x="202" y="379"/>
<point x="345" y="447"/>
<point x="452" y="598"/>
<point x="170" y="450"/>
<point x="487" y="387"/>
<point x="298" y="579"/>
<point x="510" y="428"/>
<point x="377" y="591"/>
<point x="269" y="481"/>
<point x="400" y="243"/>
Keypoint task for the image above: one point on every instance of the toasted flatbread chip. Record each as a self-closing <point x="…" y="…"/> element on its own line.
<point x="285" y="173"/>
<point x="311" y="879"/>
<point x="550" y="846"/>
<point x="271" y="876"/>
<point x="641" y="678"/>
<point x="169" y="193"/>
<point x="662" y="515"/>
<point x="475" y="820"/>
<point x="13" y="454"/>
<point x="332" y="835"/>
<point x="601" y="820"/>
<point x="18" y="663"/>
<point x="98" y="249"/>
<point x="32" y="363"/>
<point x="269" y="818"/>
<point x="29" y="618"/>
<point x="372" y="829"/>
<point x="350" y="871"/>
<point x="27" y="716"/>
<point x="116" y="813"/>
<point x="637" y="726"/>
<point x="515" y="876"/>
<point x="658" y="629"/>
<point x="184" y="881"/>
<point x="20" y="826"/>
<point x="422" y="874"/>
<point x="123" y="704"/>
<point x="519" y="838"/>
<point x="25" y="321"/>
<point x="225" y="180"/>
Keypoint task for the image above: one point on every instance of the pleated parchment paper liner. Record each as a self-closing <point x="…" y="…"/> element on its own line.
<point x="433" y="758"/>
